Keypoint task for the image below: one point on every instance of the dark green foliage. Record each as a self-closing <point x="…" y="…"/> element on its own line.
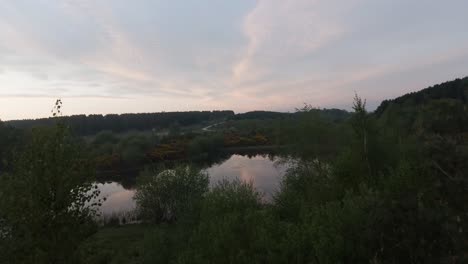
<point x="116" y="245"/>
<point x="457" y="90"/>
<point x="328" y="114"/>
<point x="92" y="124"/>
<point x="105" y="137"/>
<point x="206" y="146"/>
<point x="333" y="114"/>
<point x="437" y="109"/>
<point x="120" y="152"/>
<point x="133" y="148"/>
<point x="383" y="187"/>
<point x="385" y="199"/>
<point x="361" y="190"/>
<point x="305" y="184"/>
<point x="335" y="232"/>
<point x="46" y="201"/>
<point x="259" y="115"/>
<point x="309" y="134"/>
<point x="9" y="139"/>
<point x="170" y="195"/>
<point x="165" y="244"/>
<point x="231" y="228"/>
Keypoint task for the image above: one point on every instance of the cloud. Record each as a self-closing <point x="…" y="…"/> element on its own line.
<point x="241" y="55"/>
<point x="282" y="32"/>
<point x="323" y="51"/>
<point x="122" y="50"/>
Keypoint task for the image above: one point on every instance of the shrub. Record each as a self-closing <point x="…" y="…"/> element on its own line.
<point x="231" y="227"/>
<point x="45" y="201"/>
<point x="169" y="195"/>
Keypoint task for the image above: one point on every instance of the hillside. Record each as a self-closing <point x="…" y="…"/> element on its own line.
<point x="92" y="124"/>
<point x="440" y="109"/>
<point x="456" y="89"/>
<point x="332" y="114"/>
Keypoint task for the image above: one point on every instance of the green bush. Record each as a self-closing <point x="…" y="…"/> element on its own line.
<point x="45" y="200"/>
<point x="205" y="146"/>
<point x="232" y="227"/>
<point x="170" y="195"/>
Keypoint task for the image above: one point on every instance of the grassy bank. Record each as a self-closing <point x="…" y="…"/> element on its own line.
<point x="122" y="244"/>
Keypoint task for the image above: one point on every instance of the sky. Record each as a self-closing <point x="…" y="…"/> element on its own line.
<point x="121" y="56"/>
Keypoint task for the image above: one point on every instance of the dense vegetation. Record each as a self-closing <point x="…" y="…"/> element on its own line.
<point x="92" y="124"/>
<point x="47" y="204"/>
<point x="452" y="90"/>
<point x="382" y="187"/>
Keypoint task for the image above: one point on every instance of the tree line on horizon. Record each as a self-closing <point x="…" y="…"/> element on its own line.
<point x="92" y="124"/>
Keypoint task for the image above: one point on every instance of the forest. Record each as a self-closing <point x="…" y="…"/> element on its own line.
<point x="92" y="124"/>
<point x="383" y="186"/>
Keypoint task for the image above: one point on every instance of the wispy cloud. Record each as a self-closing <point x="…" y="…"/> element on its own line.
<point x="242" y="55"/>
<point x="282" y="31"/>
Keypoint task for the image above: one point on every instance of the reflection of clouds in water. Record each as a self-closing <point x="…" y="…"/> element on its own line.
<point x="119" y="202"/>
<point x="245" y="175"/>
<point x="262" y="171"/>
<point x="118" y="199"/>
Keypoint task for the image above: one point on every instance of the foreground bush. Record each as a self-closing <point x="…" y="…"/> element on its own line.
<point x="229" y="221"/>
<point x="233" y="227"/>
<point x="170" y="195"/>
<point x="45" y="201"/>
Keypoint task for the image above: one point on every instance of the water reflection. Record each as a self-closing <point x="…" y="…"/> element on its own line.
<point x="263" y="171"/>
<point x="118" y="199"/>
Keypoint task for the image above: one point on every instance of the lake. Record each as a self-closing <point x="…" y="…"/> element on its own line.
<point x="263" y="171"/>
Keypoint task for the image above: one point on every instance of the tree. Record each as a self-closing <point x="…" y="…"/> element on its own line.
<point x="47" y="201"/>
<point x="361" y="126"/>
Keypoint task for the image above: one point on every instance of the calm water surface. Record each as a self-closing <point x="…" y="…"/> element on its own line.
<point x="118" y="199"/>
<point x="264" y="172"/>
